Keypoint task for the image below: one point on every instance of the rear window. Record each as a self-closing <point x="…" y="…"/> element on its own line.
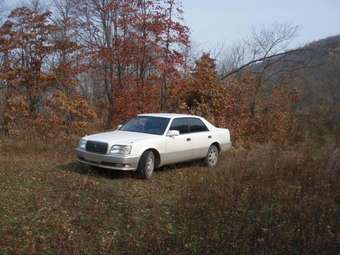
<point x="180" y="124"/>
<point x="196" y="125"/>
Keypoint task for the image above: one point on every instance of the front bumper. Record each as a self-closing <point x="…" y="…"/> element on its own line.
<point x="107" y="161"/>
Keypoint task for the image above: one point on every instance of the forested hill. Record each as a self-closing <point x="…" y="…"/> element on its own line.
<point x="314" y="72"/>
<point x="329" y="42"/>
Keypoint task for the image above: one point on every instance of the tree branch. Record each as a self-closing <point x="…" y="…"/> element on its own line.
<point x="263" y="59"/>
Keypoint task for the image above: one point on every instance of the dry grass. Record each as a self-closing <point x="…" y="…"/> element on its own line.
<point x="262" y="200"/>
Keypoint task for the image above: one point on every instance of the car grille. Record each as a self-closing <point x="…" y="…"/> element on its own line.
<point x="96" y="147"/>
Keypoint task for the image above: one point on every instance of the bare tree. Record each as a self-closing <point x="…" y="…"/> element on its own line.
<point x="232" y="59"/>
<point x="265" y="47"/>
<point x="97" y="30"/>
<point x="35" y="5"/>
<point x="164" y="85"/>
<point x="2" y="11"/>
<point x="263" y="44"/>
<point x="270" y="40"/>
<point x="66" y="35"/>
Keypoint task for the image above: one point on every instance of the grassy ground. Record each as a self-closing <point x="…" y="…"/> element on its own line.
<point x="262" y="200"/>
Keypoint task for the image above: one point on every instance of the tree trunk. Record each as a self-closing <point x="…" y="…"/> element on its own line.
<point x="163" y="99"/>
<point x="109" y="115"/>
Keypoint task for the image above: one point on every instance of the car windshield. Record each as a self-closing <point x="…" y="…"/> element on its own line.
<point x="146" y="124"/>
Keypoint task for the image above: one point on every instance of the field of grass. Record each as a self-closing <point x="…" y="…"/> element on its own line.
<point x="265" y="199"/>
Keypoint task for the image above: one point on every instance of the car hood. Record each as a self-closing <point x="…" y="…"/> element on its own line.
<point x="120" y="137"/>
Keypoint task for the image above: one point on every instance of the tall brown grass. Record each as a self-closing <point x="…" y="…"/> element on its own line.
<point x="267" y="199"/>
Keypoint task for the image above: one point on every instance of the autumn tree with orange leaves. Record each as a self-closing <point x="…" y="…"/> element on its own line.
<point x="203" y="93"/>
<point x="94" y="63"/>
<point x="34" y="83"/>
<point x="134" y="47"/>
<point x="230" y="104"/>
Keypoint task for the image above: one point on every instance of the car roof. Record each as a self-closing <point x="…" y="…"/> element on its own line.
<point x="168" y="115"/>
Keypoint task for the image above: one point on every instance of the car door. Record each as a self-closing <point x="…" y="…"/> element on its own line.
<point x="179" y="148"/>
<point x="200" y="137"/>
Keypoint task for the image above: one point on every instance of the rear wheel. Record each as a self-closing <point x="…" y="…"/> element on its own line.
<point x="146" y="165"/>
<point x="212" y="157"/>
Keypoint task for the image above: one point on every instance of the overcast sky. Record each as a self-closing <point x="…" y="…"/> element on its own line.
<point x="214" y="22"/>
<point x="217" y="22"/>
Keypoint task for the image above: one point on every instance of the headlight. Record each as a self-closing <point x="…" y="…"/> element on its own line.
<point x="82" y="144"/>
<point x="121" y="149"/>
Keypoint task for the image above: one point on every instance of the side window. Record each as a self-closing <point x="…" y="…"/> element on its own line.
<point x="197" y="125"/>
<point x="180" y="124"/>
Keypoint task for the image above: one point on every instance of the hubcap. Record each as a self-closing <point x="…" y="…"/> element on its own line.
<point x="212" y="157"/>
<point x="149" y="164"/>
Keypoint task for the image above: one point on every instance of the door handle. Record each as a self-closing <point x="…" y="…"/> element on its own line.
<point x="188" y="139"/>
<point x="209" y="136"/>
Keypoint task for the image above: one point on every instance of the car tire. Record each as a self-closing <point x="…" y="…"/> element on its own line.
<point x="146" y="165"/>
<point x="211" y="159"/>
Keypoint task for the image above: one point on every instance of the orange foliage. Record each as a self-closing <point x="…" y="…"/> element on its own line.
<point x="141" y="55"/>
<point x="203" y="94"/>
<point x="138" y="67"/>
<point x="136" y="100"/>
<point x="70" y="115"/>
<point x="228" y="104"/>
<point x="39" y="95"/>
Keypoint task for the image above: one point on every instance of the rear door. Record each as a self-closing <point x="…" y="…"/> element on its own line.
<point x="200" y="137"/>
<point x="179" y="148"/>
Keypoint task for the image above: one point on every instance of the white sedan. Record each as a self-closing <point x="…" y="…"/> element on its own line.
<point x="148" y="141"/>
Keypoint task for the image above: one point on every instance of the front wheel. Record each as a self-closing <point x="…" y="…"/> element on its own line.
<point x="212" y="157"/>
<point x="146" y="165"/>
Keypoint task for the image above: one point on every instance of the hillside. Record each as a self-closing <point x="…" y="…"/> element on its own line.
<point x="314" y="72"/>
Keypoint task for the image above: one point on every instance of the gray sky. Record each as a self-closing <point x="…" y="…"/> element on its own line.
<point x="213" y="22"/>
<point x="217" y="22"/>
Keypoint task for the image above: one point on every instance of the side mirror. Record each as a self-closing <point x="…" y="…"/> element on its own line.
<point x="172" y="133"/>
<point x="119" y="126"/>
